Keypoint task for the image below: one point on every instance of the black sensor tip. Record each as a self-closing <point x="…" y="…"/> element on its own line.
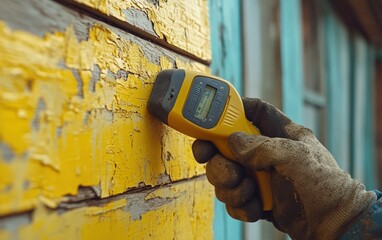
<point x="165" y="92"/>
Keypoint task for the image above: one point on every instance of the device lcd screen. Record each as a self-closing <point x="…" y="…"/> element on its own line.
<point x="205" y="103"/>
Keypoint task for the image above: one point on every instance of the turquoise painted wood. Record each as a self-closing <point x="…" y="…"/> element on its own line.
<point x="349" y="68"/>
<point x="225" y="24"/>
<point x="362" y="116"/>
<point x="371" y="181"/>
<point x="291" y="59"/>
<point x="338" y="89"/>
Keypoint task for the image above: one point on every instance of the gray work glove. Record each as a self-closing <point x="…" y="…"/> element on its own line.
<point x="312" y="197"/>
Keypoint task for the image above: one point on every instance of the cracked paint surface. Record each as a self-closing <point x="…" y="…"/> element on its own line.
<point x="80" y="156"/>
<point x="71" y="119"/>
<point x="181" y="23"/>
<point x="177" y="211"/>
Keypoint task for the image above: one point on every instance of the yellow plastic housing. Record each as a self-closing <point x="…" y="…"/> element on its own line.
<point x="232" y="120"/>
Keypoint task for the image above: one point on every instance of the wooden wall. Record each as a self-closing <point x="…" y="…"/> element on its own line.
<point x="80" y="156"/>
<point x="378" y="118"/>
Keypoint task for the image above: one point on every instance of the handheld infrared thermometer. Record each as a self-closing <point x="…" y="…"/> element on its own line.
<point x="207" y="108"/>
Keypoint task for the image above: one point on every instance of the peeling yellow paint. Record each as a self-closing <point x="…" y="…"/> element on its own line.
<point x="179" y="211"/>
<point x="73" y="114"/>
<point x="80" y="156"/>
<point x="181" y="23"/>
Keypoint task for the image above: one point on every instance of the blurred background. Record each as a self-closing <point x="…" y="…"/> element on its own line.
<point x="320" y="61"/>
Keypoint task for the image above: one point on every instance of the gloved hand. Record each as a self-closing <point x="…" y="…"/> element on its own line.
<point x="312" y="197"/>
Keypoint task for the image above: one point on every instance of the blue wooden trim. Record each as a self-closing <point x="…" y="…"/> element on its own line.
<point x="220" y="221"/>
<point x="352" y="100"/>
<point x="338" y="89"/>
<point x="225" y="25"/>
<point x="314" y="99"/>
<point x="363" y="161"/>
<point x="358" y="160"/>
<point x="291" y="59"/>
<point x="370" y="164"/>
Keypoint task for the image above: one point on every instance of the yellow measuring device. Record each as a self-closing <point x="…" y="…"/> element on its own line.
<point x="207" y="108"/>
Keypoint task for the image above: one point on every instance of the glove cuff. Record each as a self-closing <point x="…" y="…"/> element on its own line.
<point x="340" y="219"/>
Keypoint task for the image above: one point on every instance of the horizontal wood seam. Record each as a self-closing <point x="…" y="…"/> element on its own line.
<point x="125" y="26"/>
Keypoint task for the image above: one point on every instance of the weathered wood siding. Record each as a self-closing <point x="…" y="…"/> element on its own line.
<point x="378" y="117"/>
<point x="183" y="24"/>
<point x="80" y="155"/>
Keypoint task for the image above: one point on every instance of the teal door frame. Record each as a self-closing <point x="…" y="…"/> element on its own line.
<point x="226" y="44"/>
<point x="291" y="60"/>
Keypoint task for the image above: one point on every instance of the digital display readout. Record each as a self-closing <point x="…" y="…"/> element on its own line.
<point x="205" y="102"/>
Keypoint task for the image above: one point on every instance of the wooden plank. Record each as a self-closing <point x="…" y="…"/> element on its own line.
<point x="291" y="60"/>
<point x="180" y="23"/>
<point x="338" y="90"/>
<point x="253" y="45"/>
<point x="73" y="109"/>
<point x="378" y="118"/>
<point x="225" y="21"/>
<point x="261" y="75"/>
<point x="261" y="64"/>
<point x="227" y="63"/>
<point x="175" y="211"/>
<point x="370" y="181"/>
<point x="314" y="99"/>
<point x="362" y="157"/>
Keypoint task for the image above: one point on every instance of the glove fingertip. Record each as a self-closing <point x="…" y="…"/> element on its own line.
<point x="203" y="150"/>
<point x="224" y="173"/>
<point x="251" y="212"/>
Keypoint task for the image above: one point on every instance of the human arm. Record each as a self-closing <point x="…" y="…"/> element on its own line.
<point x="312" y="197"/>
